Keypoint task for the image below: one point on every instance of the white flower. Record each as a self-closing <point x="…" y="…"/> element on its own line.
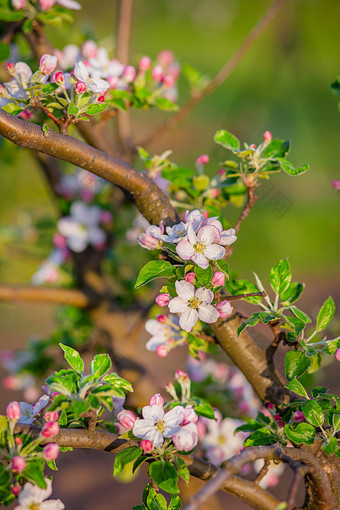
<point x="69" y="4"/>
<point x="193" y="305"/>
<point x="162" y="333"/>
<point x="101" y="66"/>
<point x="201" y="247"/>
<point x="81" y="228"/>
<point x="219" y="441"/>
<point x="32" y="497"/>
<point x="29" y="412"/>
<point x="156" y="425"/>
<point x="227" y="236"/>
<point x="95" y="85"/>
<point x="49" y="271"/>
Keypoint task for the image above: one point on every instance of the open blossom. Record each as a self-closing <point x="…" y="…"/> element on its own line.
<point x="164" y="334"/>
<point x="201" y="247"/>
<point x="193" y="305"/>
<point x="219" y="442"/>
<point x="151" y="238"/>
<point x="186" y="438"/>
<point x="157" y="425"/>
<point x="32" y="496"/>
<point x="95" y="85"/>
<point x="29" y="412"/>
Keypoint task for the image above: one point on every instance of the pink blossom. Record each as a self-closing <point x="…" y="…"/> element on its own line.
<point x="168" y="81"/>
<point x="146" y="446"/>
<point x="126" y="419"/>
<point x="201" y="247"/>
<point x="227" y="236"/>
<point x="299" y="416"/>
<point x="162" y="299"/>
<point x="10" y="68"/>
<point x="221" y="172"/>
<point x="113" y="81"/>
<point x="336" y="184"/>
<point x="157" y="425"/>
<point x="270" y="405"/>
<point x="129" y="74"/>
<point x="145" y="63"/>
<point x="186" y="438"/>
<point x="162" y="319"/>
<point x="267" y="136"/>
<point x="181" y="375"/>
<point x="156" y="400"/>
<point x="48" y="63"/>
<point x="162" y="351"/>
<point x="13" y="411"/>
<point x="19" y="4"/>
<point x="189" y="416"/>
<point x="202" y="160"/>
<point x="16" y="489"/>
<point x="150" y="239"/>
<point x="18" y="464"/>
<point x="89" y="49"/>
<point x="157" y="73"/>
<point x="50" y="428"/>
<point x="51" y="451"/>
<point x="18" y="441"/>
<point x="224" y="309"/>
<point x="218" y="279"/>
<point x="165" y="58"/>
<point x="46" y="4"/>
<point x="80" y="87"/>
<point x="190" y="277"/>
<point x="59" y="77"/>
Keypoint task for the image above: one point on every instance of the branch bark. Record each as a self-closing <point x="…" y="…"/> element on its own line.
<point x="47" y="295"/>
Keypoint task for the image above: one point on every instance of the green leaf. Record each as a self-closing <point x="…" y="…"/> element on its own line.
<point x="72" y="109"/>
<point x="93" y="109"/>
<point x="325" y="314"/>
<point x="297" y="387"/>
<point x="79" y="407"/>
<point x="313" y="413"/>
<point x="204" y="276"/>
<point x="52" y="465"/>
<point x="252" y="321"/>
<point x="7" y="15"/>
<point x="73" y="358"/>
<point x="280" y="276"/>
<point x="302" y="433"/>
<point x="156" y="501"/>
<point x="165" y="476"/>
<point x="201" y="182"/>
<point x="4" y="51"/>
<point x="175" y="503"/>
<point x="165" y="104"/>
<point x="35" y="471"/>
<point x="244" y="287"/>
<point x="125" y="457"/>
<point x="205" y="409"/>
<point x="182" y="470"/>
<point x="223" y="266"/>
<point x="276" y="148"/>
<point x="330" y="445"/>
<point x="250" y="426"/>
<point x="296" y="363"/>
<point x="336" y="422"/>
<point x="100" y="364"/>
<point x="293" y="293"/>
<point x="299" y="314"/>
<point x="332" y="346"/>
<point x="3" y="431"/>
<point x="154" y="269"/>
<point x="49" y="88"/>
<point x="260" y="437"/>
<point x="289" y="168"/>
<point x="227" y="140"/>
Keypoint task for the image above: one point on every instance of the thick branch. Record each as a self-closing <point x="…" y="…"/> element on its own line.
<point x="149" y="199"/>
<point x="47" y="295"/>
<point x="221" y="77"/>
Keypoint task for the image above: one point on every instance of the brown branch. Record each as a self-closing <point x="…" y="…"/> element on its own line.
<point x="251" y="199"/>
<point x="38" y="41"/>
<point x="241" y="296"/>
<point x="47" y="295"/>
<point x="149" y="199"/>
<point x="221" y="77"/>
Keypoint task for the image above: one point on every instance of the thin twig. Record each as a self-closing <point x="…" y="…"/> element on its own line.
<point x="241" y="296"/>
<point x="221" y="77"/>
<point x="262" y="473"/>
<point x="47" y="295"/>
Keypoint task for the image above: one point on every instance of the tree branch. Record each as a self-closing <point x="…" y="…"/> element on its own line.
<point x="221" y="77"/>
<point x="149" y="199"/>
<point x="47" y="295"/>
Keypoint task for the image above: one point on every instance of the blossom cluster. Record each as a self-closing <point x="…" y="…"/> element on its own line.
<point x="45" y="5"/>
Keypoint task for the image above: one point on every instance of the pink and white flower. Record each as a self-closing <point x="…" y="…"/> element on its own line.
<point x="157" y="425"/>
<point x="224" y="309"/>
<point x="227" y="236"/>
<point x="32" y="496"/>
<point x="29" y="412"/>
<point x="192" y="305"/>
<point x="164" y="334"/>
<point x="219" y="442"/>
<point x="186" y="438"/>
<point x="151" y="238"/>
<point x="201" y="247"/>
<point x="95" y="85"/>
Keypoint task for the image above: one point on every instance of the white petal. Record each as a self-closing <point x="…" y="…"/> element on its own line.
<point x="77" y="244"/>
<point x="214" y="252"/>
<point x="153" y="327"/>
<point x="228" y="237"/>
<point x="52" y="504"/>
<point x="177" y="305"/>
<point x="204" y="295"/>
<point x="157" y="438"/>
<point x="154" y="342"/>
<point x="185" y="250"/>
<point x="208" y="235"/>
<point x="191" y="234"/>
<point x="174" y="417"/>
<point x="154" y="413"/>
<point x="208" y="313"/>
<point x="69" y="4"/>
<point x="185" y="290"/>
<point x="80" y="72"/>
<point x="97" y="85"/>
<point x="96" y="236"/>
<point x="200" y="260"/>
<point x="142" y="428"/>
<point x="188" y="319"/>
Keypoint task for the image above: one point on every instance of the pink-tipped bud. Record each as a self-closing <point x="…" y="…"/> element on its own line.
<point x="218" y="279"/>
<point x="163" y="299"/>
<point x="180" y="375"/>
<point x="267" y="136"/>
<point x="336" y="184"/>
<point x="26" y="114"/>
<point x="299" y="416"/>
<point x="156" y="400"/>
<point x="146" y="446"/>
<point x="10" y="68"/>
<point x="59" y="77"/>
<point x="252" y="146"/>
<point x="224" y="309"/>
<point x="337" y="355"/>
<point x="165" y="57"/>
<point x="157" y="73"/>
<point x="51" y="451"/>
<point x="13" y="411"/>
<point x="101" y="98"/>
<point x="48" y="63"/>
<point x="16" y="490"/>
<point x="270" y="405"/>
<point x="80" y="87"/>
<point x="144" y="64"/>
<point x="129" y="74"/>
<point x="203" y="159"/>
<point x="161" y="351"/>
<point x="113" y="81"/>
<point x="190" y="277"/>
<point x="168" y="81"/>
<point x="18" y="441"/>
<point x="46" y="4"/>
<point x="126" y="419"/>
<point x="189" y="416"/>
<point x="281" y="423"/>
<point x="18" y="464"/>
<point x="50" y="428"/>
<point x="89" y="49"/>
<point x="277" y="417"/>
<point x="221" y="172"/>
<point x="162" y="319"/>
<point x="214" y="193"/>
<point x="19" y="4"/>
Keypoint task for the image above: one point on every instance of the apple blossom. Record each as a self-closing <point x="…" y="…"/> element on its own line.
<point x="50" y="428"/>
<point x="32" y="496"/>
<point x="189" y="416"/>
<point x="101" y="98"/>
<point x="162" y="299"/>
<point x="28" y="411"/>
<point x="129" y="74"/>
<point x="227" y="236"/>
<point x="146" y="446"/>
<point x="51" y="451"/>
<point x="126" y="419"/>
<point x="18" y="464"/>
<point x="219" y="442"/>
<point x="203" y="159"/>
<point x="59" y="77"/>
<point x="19" y="4"/>
<point x="336" y="184"/>
<point x="156" y="400"/>
<point x="267" y="136"/>
<point x="218" y="279"/>
<point x="337" y="355"/>
<point x="10" y="68"/>
<point x="95" y="85"/>
<point x="192" y="305"/>
<point x="224" y="309"/>
<point x="190" y="277"/>
<point x="157" y="425"/>
<point x="299" y="416"/>
<point x="168" y="81"/>
<point x="186" y="438"/>
<point x="80" y="87"/>
<point x="162" y="350"/>
<point x="201" y="247"/>
<point x="144" y="63"/>
<point x="165" y="57"/>
<point x="48" y="63"/>
<point x="46" y="4"/>
<point x="13" y="411"/>
<point x="165" y="335"/>
<point x="16" y="489"/>
<point x="151" y="238"/>
<point x="89" y="49"/>
<point x="157" y="73"/>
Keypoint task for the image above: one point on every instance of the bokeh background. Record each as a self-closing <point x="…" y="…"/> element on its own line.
<point x="281" y="85"/>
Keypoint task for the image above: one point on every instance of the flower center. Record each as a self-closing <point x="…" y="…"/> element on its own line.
<point x="221" y="440"/>
<point x="160" y="426"/>
<point x="199" y="247"/>
<point x="34" y="506"/>
<point x="194" y="303"/>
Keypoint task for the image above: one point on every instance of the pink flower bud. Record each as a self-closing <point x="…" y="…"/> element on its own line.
<point x="13" y="411"/>
<point x="214" y="192"/>
<point x="51" y="451"/>
<point x="149" y="242"/>
<point x="267" y="136"/>
<point x="18" y="4"/>
<point x="48" y="63"/>
<point x="190" y="277"/>
<point x="337" y="355"/>
<point x="186" y="439"/>
<point x="224" y="309"/>
<point x="50" y="428"/>
<point x="270" y="406"/>
<point x="105" y="217"/>
<point x="281" y="423"/>
<point x="146" y="446"/>
<point x="221" y="172"/>
<point x="181" y="375"/>
<point x="26" y="114"/>
<point x="277" y="417"/>
<point x="336" y="184"/>
<point x="80" y="87"/>
<point x="16" y="489"/>
<point x="129" y="74"/>
<point x="10" y="68"/>
<point x="144" y="64"/>
<point x="101" y="98"/>
<point x="174" y="70"/>
<point x="218" y="279"/>
<point x="189" y="416"/>
<point x="252" y="146"/>
<point x="18" y="441"/>
<point x="157" y="73"/>
<point x="162" y="319"/>
<point x="156" y="400"/>
<point x="165" y="57"/>
<point x="299" y="416"/>
<point x="126" y="419"/>
<point x="168" y="81"/>
<point x="46" y="4"/>
<point x="11" y="382"/>
<point x="113" y="81"/>
<point x="203" y="159"/>
<point x="161" y="351"/>
<point x="18" y="464"/>
<point x="89" y="49"/>
<point x="59" y="77"/>
<point x="163" y="299"/>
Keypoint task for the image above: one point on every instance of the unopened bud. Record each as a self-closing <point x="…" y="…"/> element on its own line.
<point x="10" y="68"/>
<point x="13" y="411"/>
<point x="113" y="81"/>
<point x="224" y="309"/>
<point x="126" y="419"/>
<point x="203" y="159"/>
<point x="156" y="400"/>
<point x="337" y="355"/>
<point x="19" y="4"/>
<point x="168" y="81"/>
<point x="16" y="489"/>
<point x="144" y="64"/>
<point x="18" y="464"/>
<point x="157" y="73"/>
<point x="59" y="77"/>
<point x="190" y="277"/>
<point x="267" y="136"/>
<point x="48" y="63"/>
<point x="162" y="299"/>
<point x="101" y="98"/>
<point x="129" y="74"/>
<point x="146" y="445"/>
<point x="80" y="87"/>
<point x="161" y="351"/>
<point x="51" y="451"/>
<point x="162" y="319"/>
<point x="50" y="428"/>
<point x="18" y="441"/>
<point x="218" y="279"/>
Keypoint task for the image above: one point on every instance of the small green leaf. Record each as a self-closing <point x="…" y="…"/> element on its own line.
<point x="73" y="358"/>
<point x="100" y="364"/>
<point x="280" y="276"/>
<point x="302" y="433"/>
<point x="96" y="108"/>
<point x="205" y="409"/>
<point x="45" y="128"/>
<point x="227" y="140"/>
<point x="296" y="363"/>
<point x="223" y="266"/>
<point x="125" y="457"/>
<point x="35" y="471"/>
<point x="4" y="51"/>
<point x="331" y="346"/>
<point x="313" y="413"/>
<point x="325" y="314"/>
<point x="79" y="407"/>
<point x="175" y="503"/>
<point x="292" y="294"/>
<point x="330" y="445"/>
<point x="154" y="269"/>
<point x="165" y="104"/>
<point x="289" y="168"/>
<point x="49" y="88"/>
<point x="204" y="276"/>
<point x="72" y="109"/>
<point x="165" y="476"/>
<point x="260" y="437"/>
<point x="182" y="470"/>
<point x="276" y="148"/>
<point x="250" y="426"/>
<point x="297" y="387"/>
<point x="252" y="321"/>
<point x="336" y="422"/>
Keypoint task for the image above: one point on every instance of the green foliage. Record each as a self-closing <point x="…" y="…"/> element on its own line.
<point x="325" y="314"/>
<point x="154" y="269"/>
<point x="165" y="476"/>
<point x="301" y="433"/>
<point x="125" y="457"/>
<point x="296" y="364"/>
<point x="297" y="387"/>
<point x="34" y="471"/>
<point x="280" y="277"/>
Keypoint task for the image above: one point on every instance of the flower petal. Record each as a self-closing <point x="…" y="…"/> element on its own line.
<point x="177" y="305"/>
<point x="228" y="237"/>
<point x="185" y="290"/>
<point x="200" y="260"/>
<point x="214" y="252"/>
<point x="188" y="319"/>
<point x="154" y="413"/>
<point x="204" y="295"/>
<point x="208" y="313"/>
<point x="208" y="235"/>
<point x="185" y="250"/>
